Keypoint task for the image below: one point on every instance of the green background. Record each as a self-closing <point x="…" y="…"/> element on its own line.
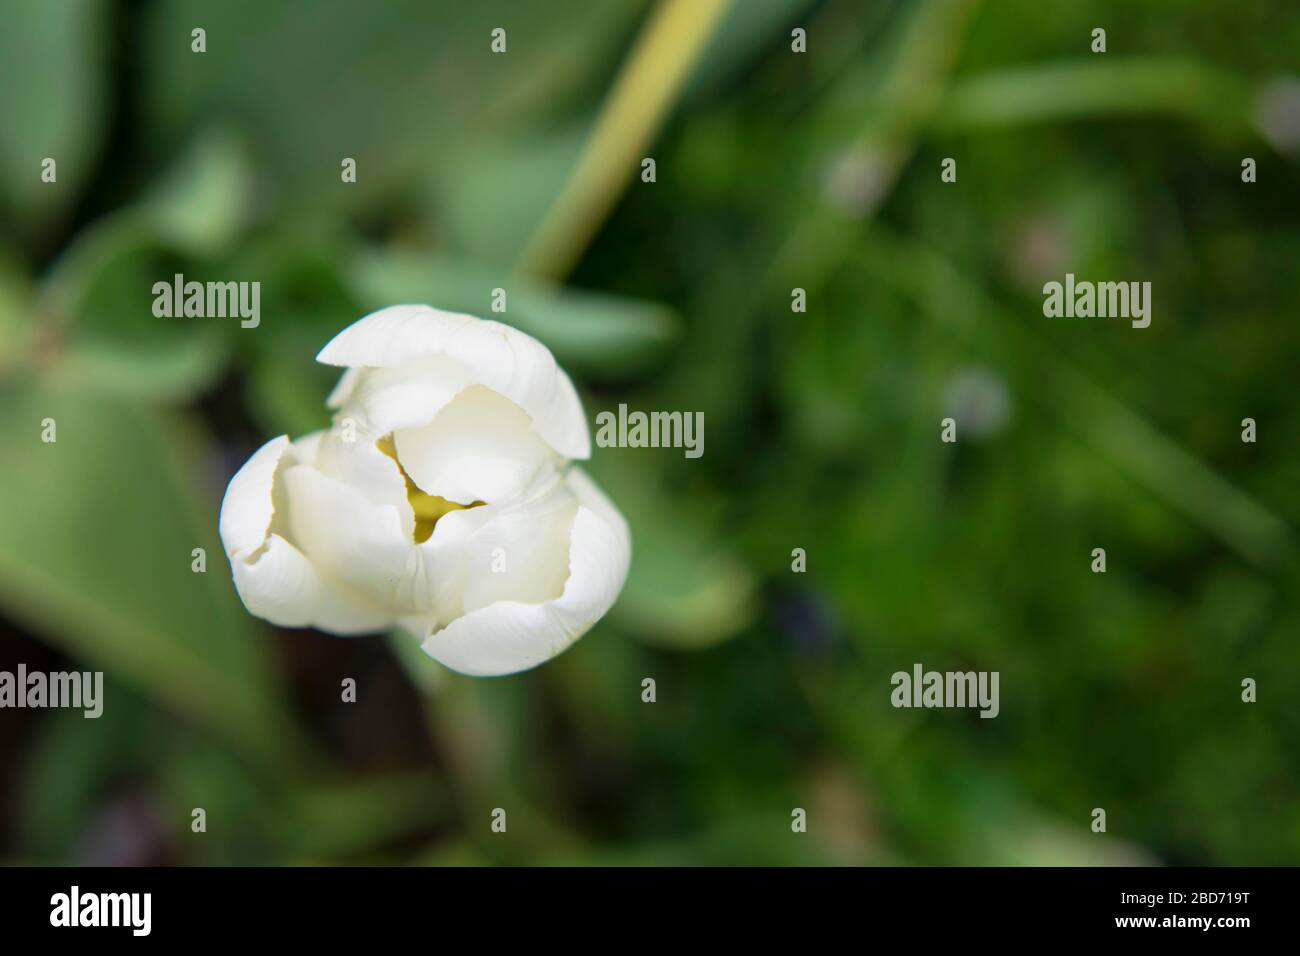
<point x="775" y="170"/>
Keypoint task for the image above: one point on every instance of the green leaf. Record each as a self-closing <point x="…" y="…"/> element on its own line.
<point x="99" y="295"/>
<point x="96" y="534"/>
<point x="51" y="69"/>
<point x="98" y="305"/>
<point x="202" y="205"/>
<point x="745" y="29"/>
<point x="1098" y="87"/>
<point x="289" y="397"/>
<point x="324" y="822"/>
<point x="686" y="588"/>
<point x="15" y="328"/>
<point x="588" y="331"/>
<point x="390" y="85"/>
<point x="73" y="758"/>
<point x="495" y="196"/>
<point x="161" y="371"/>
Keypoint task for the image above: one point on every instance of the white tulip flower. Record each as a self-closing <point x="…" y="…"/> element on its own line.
<point x="454" y="511"/>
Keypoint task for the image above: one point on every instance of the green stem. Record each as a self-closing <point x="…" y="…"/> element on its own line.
<point x="649" y="81"/>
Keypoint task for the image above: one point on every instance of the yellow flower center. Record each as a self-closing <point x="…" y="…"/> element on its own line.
<point x="428" y="508"/>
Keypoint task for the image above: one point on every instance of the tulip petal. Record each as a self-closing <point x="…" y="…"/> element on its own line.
<point x="362" y="465"/>
<point x="283" y="587"/>
<point x="490" y="353"/>
<point x="480" y="447"/>
<point x="363" y="544"/>
<point x="511" y="636"/>
<point x="274" y="580"/>
<point x="246" y="510"/>
<point x="407" y="396"/>
<point x="522" y="554"/>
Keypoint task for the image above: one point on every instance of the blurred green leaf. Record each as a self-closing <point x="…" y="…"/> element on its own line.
<point x="96" y="534"/>
<point x="589" y="332"/>
<point x="72" y="760"/>
<point x="98" y="299"/>
<point x="52" y="59"/>
<point x="288" y="398"/>
<point x="686" y="588"/>
<point x="496" y="195"/>
<point x="744" y="30"/>
<point x="201" y="206"/>
<point x="15" y="326"/>
<point x="390" y="85"/>
<point x="326" y="822"/>
<point x="1098" y="88"/>
<point x="97" y="305"/>
<point x="158" y="371"/>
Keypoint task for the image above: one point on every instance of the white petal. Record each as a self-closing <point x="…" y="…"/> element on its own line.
<point x="590" y="496"/>
<point x="362" y="466"/>
<point x="272" y="577"/>
<point x="282" y="586"/>
<point x="344" y="388"/>
<point x="365" y="545"/>
<point x="480" y="447"/>
<point x="406" y="396"/>
<point x="498" y="356"/>
<point x="246" y="509"/>
<point x="522" y="553"/>
<point x="442" y="565"/>
<point x="511" y="636"/>
<point x="307" y="449"/>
